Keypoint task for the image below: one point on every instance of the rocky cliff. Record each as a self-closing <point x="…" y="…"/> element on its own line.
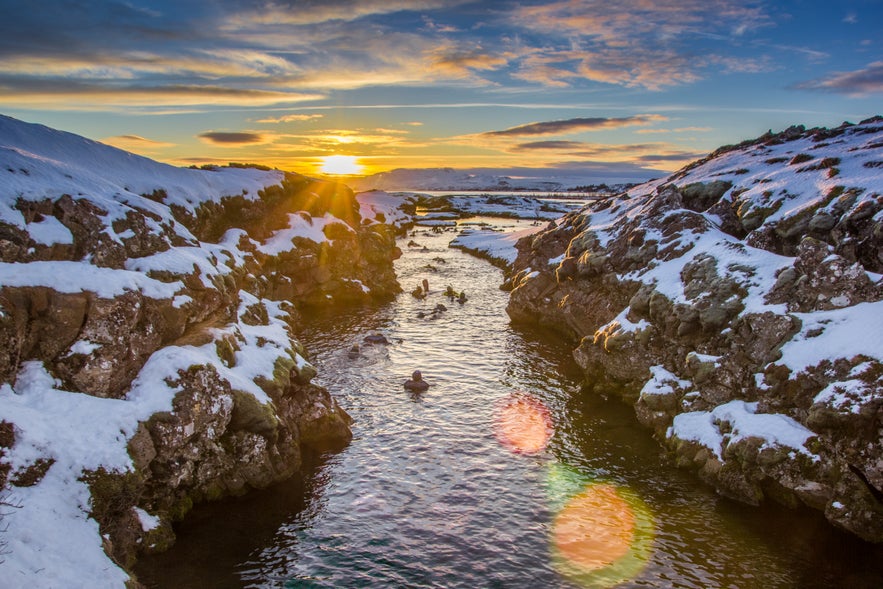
<point x="147" y="360"/>
<point x="738" y="305"/>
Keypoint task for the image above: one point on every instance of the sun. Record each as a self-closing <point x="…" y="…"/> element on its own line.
<point x="340" y="164"/>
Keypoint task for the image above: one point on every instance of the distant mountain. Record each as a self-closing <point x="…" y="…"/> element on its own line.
<point x="489" y="179"/>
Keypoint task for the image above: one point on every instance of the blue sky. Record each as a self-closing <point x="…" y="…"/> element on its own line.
<point x="628" y="85"/>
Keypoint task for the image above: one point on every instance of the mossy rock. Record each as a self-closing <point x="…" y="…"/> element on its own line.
<point x="250" y="415"/>
<point x="700" y="196"/>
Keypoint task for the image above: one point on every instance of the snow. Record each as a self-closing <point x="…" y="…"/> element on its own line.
<point x="662" y="382"/>
<point x="774" y="429"/>
<point x="498" y="245"/>
<point x="83" y="347"/>
<point x="376" y="202"/>
<point x="40" y="163"/>
<point x="52" y="542"/>
<point x="148" y="522"/>
<point x="72" y="277"/>
<point x="50" y="231"/>
<point x="848" y="332"/>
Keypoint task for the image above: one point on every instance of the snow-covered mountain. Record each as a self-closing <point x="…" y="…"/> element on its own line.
<point x="487" y="180"/>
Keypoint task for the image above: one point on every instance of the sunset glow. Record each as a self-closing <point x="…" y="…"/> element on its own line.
<point x="620" y="90"/>
<point x="346" y="165"/>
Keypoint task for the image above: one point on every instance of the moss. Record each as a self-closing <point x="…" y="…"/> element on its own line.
<point x="255" y="315"/>
<point x="114" y="494"/>
<point x="251" y="415"/>
<point x="7" y="434"/>
<point x="835" y="192"/>
<point x="226" y="349"/>
<point x="180" y="508"/>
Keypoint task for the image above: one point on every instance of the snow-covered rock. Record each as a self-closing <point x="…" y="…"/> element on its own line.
<point x="146" y="352"/>
<point x="738" y="303"/>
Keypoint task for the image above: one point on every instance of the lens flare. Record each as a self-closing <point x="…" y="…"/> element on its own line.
<point x="523" y="424"/>
<point x="595" y="528"/>
<point x="602" y="536"/>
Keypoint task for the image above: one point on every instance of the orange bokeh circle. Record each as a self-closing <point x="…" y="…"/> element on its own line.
<point x="595" y="528"/>
<point x="523" y="425"/>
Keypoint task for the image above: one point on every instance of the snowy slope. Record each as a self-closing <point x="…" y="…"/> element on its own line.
<point x="106" y="300"/>
<point x="38" y="162"/>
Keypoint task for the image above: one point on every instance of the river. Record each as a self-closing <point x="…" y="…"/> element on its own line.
<point x="442" y="488"/>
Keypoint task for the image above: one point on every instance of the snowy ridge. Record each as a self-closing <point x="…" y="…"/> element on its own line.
<point x="755" y="277"/>
<point x="111" y="243"/>
<point x="37" y="162"/>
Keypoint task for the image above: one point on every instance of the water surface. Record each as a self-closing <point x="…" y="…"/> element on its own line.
<point x="426" y="495"/>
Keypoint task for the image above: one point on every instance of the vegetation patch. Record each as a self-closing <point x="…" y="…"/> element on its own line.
<point x="33" y="474"/>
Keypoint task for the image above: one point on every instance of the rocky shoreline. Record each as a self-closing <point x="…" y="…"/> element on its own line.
<point x="736" y="304"/>
<point x="147" y="357"/>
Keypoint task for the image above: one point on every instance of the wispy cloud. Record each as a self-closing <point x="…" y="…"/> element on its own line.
<point x="576" y="125"/>
<point x="312" y="12"/>
<point x="675" y="130"/>
<point x="137" y="144"/>
<point x="549" y="145"/>
<point x="73" y="95"/>
<point x="861" y="82"/>
<point x="633" y="43"/>
<point x="292" y="118"/>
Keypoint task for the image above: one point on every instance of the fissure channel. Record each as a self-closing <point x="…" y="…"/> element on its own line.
<point x="501" y="474"/>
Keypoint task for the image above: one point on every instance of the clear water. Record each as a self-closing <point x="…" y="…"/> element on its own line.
<point x="427" y="496"/>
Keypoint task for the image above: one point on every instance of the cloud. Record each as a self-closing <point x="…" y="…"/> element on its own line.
<point x="290" y="118"/>
<point x="74" y="95"/>
<point x="549" y="145"/>
<point x="576" y="125"/>
<point x="458" y="63"/>
<point x="857" y="83"/>
<point x="136" y="143"/>
<point x="634" y="43"/>
<point x="660" y="153"/>
<point x="233" y="139"/>
<point x="312" y="12"/>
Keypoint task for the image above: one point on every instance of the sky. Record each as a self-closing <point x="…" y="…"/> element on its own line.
<point x="631" y="87"/>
